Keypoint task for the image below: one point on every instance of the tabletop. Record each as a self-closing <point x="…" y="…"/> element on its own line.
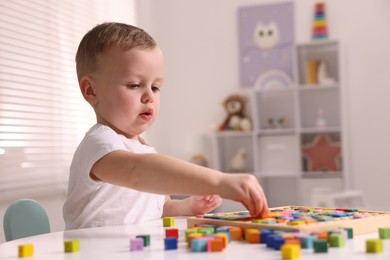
<point x="114" y="243"/>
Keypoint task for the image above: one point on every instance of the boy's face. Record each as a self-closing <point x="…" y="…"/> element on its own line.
<point x="127" y="88"/>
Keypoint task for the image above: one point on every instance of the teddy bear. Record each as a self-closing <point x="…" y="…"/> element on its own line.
<point x="235" y="120"/>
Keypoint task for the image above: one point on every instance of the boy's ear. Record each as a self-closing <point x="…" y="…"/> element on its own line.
<point x="88" y="90"/>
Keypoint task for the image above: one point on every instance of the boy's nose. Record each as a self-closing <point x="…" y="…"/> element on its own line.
<point x="147" y="97"/>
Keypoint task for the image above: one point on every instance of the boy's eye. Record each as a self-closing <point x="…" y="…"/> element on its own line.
<point x="133" y="85"/>
<point x="155" y="89"/>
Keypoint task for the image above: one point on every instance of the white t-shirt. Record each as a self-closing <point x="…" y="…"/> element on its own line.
<point x="93" y="203"/>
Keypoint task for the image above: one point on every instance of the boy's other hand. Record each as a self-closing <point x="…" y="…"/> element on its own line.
<point x="204" y="204"/>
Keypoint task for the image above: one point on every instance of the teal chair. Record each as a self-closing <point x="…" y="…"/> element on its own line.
<point x="24" y="218"/>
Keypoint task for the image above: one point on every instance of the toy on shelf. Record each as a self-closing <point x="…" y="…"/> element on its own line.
<point x="282" y="122"/>
<point x="317" y="73"/>
<point x="323" y="77"/>
<point x="321" y="121"/>
<point x="199" y="159"/>
<point x="235" y="120"/>
<point x="322" y="154"/>
<point x="238" y="161"/>
<point x="320" y="28"/>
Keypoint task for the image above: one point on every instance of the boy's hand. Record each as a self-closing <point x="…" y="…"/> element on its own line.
<point x="246" y="189"/>
<point x="203" y="204"/>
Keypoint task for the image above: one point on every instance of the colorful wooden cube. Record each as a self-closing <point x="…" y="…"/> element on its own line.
<point x="290" y="251"/>
<point x="253" y="236"/>
<point x="235" y="233"/>
<point x="172" y="232"/>
<point x="71" y="246"/>
<point x="384" y="233"/>
<point x="278" y="242"/>
<point x="227" y="233"/>
<point x="307" y="241"/>
<point x="190" y="231"/>
<point x="293" y="241"/>
<point x="336" y="240"/>
<point x="192" y="236"/>
<point x="271" y="240"/>
<point x="170" y="243"/>
<point x="199" y="245"/>
<point x="26" y="250"/>
<point x="215" y="245"/>
<point x="349" y="232"/>
<point x="264" y="233"/>
<point x="146" y="239"/>
<point x="225" y="238"/>
<point x="137" y="244"/>
<point x="249" y="230"/>
<point x="206" y="230"/>
<point x="168" y="222"/>
<point x="320" y="246"/>
<point x="374" y="246"/>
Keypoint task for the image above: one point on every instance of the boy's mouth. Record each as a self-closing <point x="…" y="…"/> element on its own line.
<point x="147" y="115"/>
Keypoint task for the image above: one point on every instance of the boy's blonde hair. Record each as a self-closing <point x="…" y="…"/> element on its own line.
<point x="105" y="36"/>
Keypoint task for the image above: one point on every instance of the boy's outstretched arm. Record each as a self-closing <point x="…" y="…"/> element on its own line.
<point x="157" y="173"/>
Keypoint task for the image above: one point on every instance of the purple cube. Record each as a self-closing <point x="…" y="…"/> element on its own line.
<point x="136" y="244"/>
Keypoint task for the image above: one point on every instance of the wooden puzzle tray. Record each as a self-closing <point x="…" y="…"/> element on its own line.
<point x="300" y="219"/>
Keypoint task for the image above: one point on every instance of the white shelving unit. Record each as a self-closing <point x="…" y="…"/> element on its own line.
<point x="274" y="155"/>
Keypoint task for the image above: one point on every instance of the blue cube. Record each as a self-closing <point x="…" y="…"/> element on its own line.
<point x="170" y="243"/>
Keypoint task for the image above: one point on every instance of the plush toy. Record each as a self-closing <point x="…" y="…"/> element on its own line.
<point x="238" y="161"/>
<point x="235" y="120"/>
<point x="199" y="159"/>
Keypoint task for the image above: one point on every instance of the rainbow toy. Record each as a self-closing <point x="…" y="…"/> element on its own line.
<point x="320" y="30"/>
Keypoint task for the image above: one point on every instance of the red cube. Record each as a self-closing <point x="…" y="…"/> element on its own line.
<point x="172" y="232"/>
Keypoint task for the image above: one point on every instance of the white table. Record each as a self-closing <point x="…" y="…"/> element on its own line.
<point x="113" y="243"/>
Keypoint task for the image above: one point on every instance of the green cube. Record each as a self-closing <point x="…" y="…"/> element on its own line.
<point x="146" y="239"/>
<point x="190" y="231"/>
<point x="374" y="246"/>
<point x="206" y="231"/>
<point x="384" y="233"/>
<point x="349" y="232"/>
<point x="320" y="246"/>
<point x="336" y="240"/>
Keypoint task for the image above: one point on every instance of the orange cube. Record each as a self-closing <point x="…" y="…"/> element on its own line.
<point x="235" y="233"/>
<point x="292" y="241"/>
<point x="215" y="245"/>
<point x="224" y="237"/>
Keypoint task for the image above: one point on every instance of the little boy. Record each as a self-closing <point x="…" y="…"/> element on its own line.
<point x="115" y="176"/>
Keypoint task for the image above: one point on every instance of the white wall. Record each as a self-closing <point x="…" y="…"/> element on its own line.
<point x="199" y="39"/>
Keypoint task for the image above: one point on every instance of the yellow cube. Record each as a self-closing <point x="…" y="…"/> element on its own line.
<point x="71" y="246"/>
<point x="290" y="251"/>
<point x="374" y="246"/>
<point x="26" y="250"/>
<point x="168" y="222"/>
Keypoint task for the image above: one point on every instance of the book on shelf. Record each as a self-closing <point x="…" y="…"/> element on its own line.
<point x="312" y="69"/>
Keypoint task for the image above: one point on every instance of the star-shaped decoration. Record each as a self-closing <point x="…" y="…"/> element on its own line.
<point x="322" y="154"/>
